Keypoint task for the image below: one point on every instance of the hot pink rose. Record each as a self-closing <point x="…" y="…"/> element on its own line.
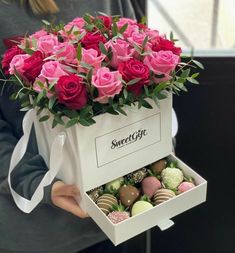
<point x="107" y="82"/>
<point x="8" y="56"/>
<point x="65" y="52"/>
<point x="52" y="71"/>
<point x="92" y="40"/>
<point x="107" y="21"/>
<point x="71" y="91"/>
<point x="166" y="45"/>
<point x="17" y="64"/>
<point x="90" y="56"/>
<point x="152" y="34"/>
<point x="38" y="34"/>
<point x="78" y="22"/>
<point x="133" y="69"/>
<point x="122" y="21"/>
<point x="138" y="39"/>
<point x="130" y="30"/>
<point x="121" y="51"/>
<point x="162" y="62"/>
<point x="47" y="43"/>
<point x="32" y="66"/>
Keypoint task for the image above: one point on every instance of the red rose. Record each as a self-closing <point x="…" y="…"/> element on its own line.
<point x="32" y="66"/>
<point x="92" y="40"/>
<point x="107" y="21"/>
<point x="166" y="45"/>
<point x="7" y="57"/>
<point x="133" y="69"/>
<point x="71" y="92"/>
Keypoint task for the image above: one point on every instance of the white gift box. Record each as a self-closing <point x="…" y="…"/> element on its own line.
<point x="113" y="147"/>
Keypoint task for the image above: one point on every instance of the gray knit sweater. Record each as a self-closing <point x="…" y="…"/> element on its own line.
<point x="47" y="229"/>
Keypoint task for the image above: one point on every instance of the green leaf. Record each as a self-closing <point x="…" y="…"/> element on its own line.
<point x="84" y="111"/>
<point x="54" y="123"/>
<point x="71" y="122"/>
<point x="112" y="111"/>
<point x="155" y="99"/>
<point x="146" y="90"/>
<point x="160" y="87"/>
<point x="79" y="52"/>
<point x="194" y="75"/>
<point x="81" y="36"/>
<point x="58" y="119"/>
<point x="84" y="122"/>
<point x="125" y="93"/>
<point x="146" y="104"/>
<point x="144" y="42"/>
<point x="45" y="22"/>
<point x="102" y="48"/>
<point x="71" y="113"/>
<point x="119" y="109"/>
<point x="44" y="118"/>
<point x="52" y="101"/>
<point x="192" y="80"/>
<point x="199" y="64"/>
<point x="181" y="86"/>
<point x="137" y="48"/>
<point x="161" y="96"/>
<point x="133" y="81"/>
<point x="87" y="18"/>
<point x="39" y="97"/>
<point x="185" y="73"/>
<point x="123" y="28"/>
<point x="114" y="29"/>
<point x="85" y="65"/>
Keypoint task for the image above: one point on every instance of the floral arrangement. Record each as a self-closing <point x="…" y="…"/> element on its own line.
<point x="95" y="65"/>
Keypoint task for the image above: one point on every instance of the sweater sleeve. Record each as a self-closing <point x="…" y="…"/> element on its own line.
<point x="29" y="172"/>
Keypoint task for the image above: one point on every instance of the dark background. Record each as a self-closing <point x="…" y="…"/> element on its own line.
<point x="206" y="142"/>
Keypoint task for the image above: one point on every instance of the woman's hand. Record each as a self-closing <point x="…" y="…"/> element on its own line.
<point x="62" y="195"/>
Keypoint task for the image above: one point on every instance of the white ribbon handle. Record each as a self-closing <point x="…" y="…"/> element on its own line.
<point x="55" y="160"/>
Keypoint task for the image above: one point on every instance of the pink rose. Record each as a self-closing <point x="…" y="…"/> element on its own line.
<point x="121" y="51"/>
<point x="38" y="34"/>
<point x="46" y="43"/>
<point x="52" y="71"/>
<point x="130" y="30"/>
<point x="138" y="39"/>
<point x="65" y="52"/>
<point x="162" y="62"/>
<point x="122" y="21"/>
<point x="78" y="22"/>
<point x="108" y="83"/>
<point x="40" y="84"/>
<point x="152" y="34"/>
<point x="90" y="56"/>
<point x="17" y="64"/>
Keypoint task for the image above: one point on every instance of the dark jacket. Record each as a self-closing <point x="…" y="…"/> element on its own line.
<point x="46" y="228"/>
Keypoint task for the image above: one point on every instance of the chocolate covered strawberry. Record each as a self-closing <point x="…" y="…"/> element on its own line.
<point x="128" y="194"/>
<point x="150" y="185"/>
<point x="118" y="214"/>
<point x="106" y="202"/>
